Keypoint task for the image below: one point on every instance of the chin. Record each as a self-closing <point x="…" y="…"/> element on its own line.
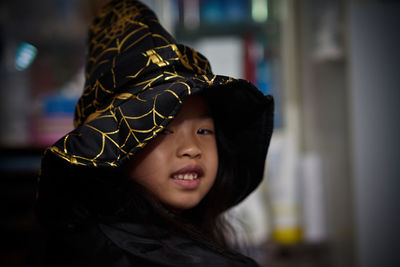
<point x="184" y="204"/>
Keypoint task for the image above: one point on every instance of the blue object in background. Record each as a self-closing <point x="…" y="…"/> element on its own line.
<point x="212" y="11"/>
<point x="236" y="10"/>
<point x="220" y="11"/>
<point x="25" y="55"/>
<point x="59" y="104"/>
<point x="263" y="77"/>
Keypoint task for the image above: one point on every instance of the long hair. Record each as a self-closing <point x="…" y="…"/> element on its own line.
<point x="208" y="214"/>
<point x="204" y="222"/>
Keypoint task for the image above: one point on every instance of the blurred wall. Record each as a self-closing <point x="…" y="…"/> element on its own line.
<point x="322" y="93"/>
<point x="374" y="54"/>
<point x="345" y="59"/>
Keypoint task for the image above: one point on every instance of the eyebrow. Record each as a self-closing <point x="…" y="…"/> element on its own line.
<point x="207" y="115"/>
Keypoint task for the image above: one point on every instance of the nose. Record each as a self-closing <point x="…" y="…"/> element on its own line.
<point x="188" y="147"/>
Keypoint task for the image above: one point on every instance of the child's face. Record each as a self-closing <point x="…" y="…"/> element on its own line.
<point x="180" y="165"/>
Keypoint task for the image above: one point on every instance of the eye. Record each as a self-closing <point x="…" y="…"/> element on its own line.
<point x="166" y="131"/>
<point x="205" y="131"/>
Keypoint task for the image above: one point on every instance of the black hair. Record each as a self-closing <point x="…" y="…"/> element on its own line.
<point x="207" y="215"/>
<point x="81" y="194"/>
<point x="206" y="221"/>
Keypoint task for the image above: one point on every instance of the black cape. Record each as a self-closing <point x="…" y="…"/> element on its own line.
<point x="137" y="80"/>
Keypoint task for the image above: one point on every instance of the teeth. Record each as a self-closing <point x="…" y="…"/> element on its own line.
<point x="186" y="176"/>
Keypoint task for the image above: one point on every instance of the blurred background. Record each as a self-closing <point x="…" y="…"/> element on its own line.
<point x="330" y="193"/>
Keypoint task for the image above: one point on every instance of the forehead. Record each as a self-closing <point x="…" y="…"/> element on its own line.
<point x="195" y="107"/>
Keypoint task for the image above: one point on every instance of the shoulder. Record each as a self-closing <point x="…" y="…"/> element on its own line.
<point x="155" y="246"/>
<point x="128" y="244"/>
<point x="83" y="247"/>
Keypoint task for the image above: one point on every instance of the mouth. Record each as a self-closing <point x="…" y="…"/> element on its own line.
<point x="188" y="173"/>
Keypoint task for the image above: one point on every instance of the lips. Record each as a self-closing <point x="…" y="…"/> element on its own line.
<point x="188" y="173"/>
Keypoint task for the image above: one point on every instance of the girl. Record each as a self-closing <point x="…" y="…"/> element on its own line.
<point x="162" y="147"/>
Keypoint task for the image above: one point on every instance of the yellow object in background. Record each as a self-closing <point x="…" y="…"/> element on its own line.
<point x="287" y="235"/>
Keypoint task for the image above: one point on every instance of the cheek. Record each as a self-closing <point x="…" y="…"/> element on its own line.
<point x="143" y="169"/>
<point x="212" y="158"/>
<point x="147" y="175"/>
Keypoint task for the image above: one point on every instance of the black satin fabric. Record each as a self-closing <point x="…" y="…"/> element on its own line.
<point x="88" y="222"/>
<point x="129" y="244"/>
<point x="137" y="80"/>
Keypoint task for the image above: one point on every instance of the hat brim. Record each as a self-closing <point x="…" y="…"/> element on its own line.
<point x="130" y="120"/>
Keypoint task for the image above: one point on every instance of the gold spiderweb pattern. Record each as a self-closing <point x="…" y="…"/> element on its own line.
<point x="129" y="121"/>
<point x="137" y="78"/>
<point x="119" y="32"/>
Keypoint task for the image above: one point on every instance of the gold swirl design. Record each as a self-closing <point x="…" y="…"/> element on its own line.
<point x="107" y="112"/>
